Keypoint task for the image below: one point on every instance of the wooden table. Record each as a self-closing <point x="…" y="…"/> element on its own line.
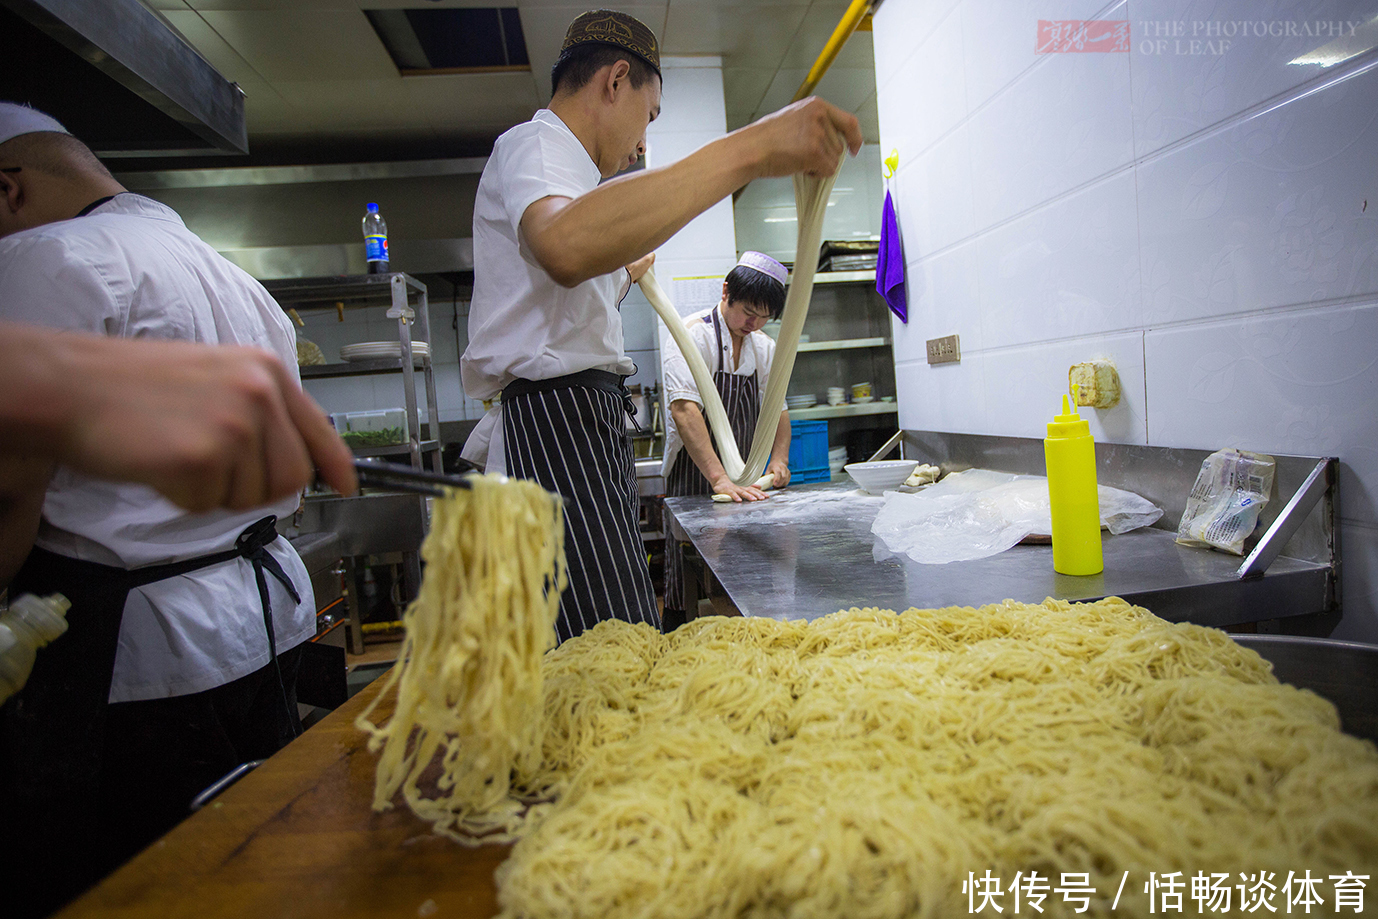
<point x="297" y="837"/>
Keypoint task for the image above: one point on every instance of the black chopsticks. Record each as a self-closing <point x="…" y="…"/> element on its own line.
<point x="378" y="474"/>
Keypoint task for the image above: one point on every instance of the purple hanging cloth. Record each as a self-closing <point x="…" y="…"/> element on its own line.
<point x="890" y="263"/>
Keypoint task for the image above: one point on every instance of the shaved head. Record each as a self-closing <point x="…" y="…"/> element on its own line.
<point x="47" y="176"/>
<point x="61" y="156"/>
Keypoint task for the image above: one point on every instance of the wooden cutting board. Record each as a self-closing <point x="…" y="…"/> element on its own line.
<point x="297" y="838"/>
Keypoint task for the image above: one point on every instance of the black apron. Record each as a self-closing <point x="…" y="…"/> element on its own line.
<point x="741" y="399"/>
<point x="52" y="732"/>
<point x="569" y="435"/>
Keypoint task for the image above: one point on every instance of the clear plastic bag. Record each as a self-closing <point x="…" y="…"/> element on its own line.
<point x="979" y="513"/>
<point x="1230" y="491"/>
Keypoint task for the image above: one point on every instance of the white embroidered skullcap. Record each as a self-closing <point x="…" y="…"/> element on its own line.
<point x="763" y="263"/>
<point x="18" y="119"/>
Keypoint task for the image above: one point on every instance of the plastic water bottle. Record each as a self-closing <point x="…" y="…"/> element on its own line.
<point x="375" y="241"/>
<point x="30" y="624"/>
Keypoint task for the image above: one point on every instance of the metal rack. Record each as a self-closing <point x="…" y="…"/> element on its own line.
<point x="375" y="524"/>
<point x="397" y="289"/>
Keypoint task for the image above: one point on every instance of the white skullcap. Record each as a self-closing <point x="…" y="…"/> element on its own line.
<point x="763" y="263"/>
<point x="20" y="119"/>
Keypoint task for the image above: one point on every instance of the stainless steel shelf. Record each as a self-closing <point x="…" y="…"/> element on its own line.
<point x="351" y="290"/>
<point x="844" y="344"/>
<point x="395" y="449"/>
<point x="842" y="277"/>
<point x="842" y="411"/>
<point x="358" y="368"/>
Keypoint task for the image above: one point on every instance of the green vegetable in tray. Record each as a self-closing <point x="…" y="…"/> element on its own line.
<point x="383" y="438"/>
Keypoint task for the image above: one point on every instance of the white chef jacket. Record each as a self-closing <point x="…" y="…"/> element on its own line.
<point x="758" y="351"/>
<point x="131" y="269"/>
<point x="523" y="325"/>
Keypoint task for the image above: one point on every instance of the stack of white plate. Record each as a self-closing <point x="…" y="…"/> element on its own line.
<point x="837" y="458"/>
<point x="376" y="350"/>
<point x="805" y="401"/>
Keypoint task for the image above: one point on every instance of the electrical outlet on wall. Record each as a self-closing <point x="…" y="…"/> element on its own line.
<point x="944" y="350"/>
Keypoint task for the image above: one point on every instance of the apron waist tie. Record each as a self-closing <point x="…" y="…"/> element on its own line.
<point x="251" y="545"/>
<point x="601" y="380"/>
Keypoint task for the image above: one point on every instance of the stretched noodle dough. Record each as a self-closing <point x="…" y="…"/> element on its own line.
<point x="811" y="202"/>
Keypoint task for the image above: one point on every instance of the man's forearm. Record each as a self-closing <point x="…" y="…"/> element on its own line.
<point x="35" y="406"/>
<point x="624" y="219"/>
<point x="693" y="430"/>
<point x="782" y="438"/>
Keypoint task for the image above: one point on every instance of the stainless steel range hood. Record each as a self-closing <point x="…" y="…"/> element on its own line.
<point x="119" y="78"/>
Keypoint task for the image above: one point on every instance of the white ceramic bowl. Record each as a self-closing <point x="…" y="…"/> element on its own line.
<point x="880" y="476"/>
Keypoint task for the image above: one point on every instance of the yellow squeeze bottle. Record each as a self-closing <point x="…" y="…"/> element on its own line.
<point x="1071" y="456"/>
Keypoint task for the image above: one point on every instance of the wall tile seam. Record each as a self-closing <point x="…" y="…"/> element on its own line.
<point x="937" y="27"/>
<point x="1336" y="304"/>
<point x="1310" y="88"/>
<point x="1369" y="62"/>
<point x="1075" y="190"/>
<point x="1358" y="524"/>
<point x="1039" y="344"/>
<point x="1331" y="77"/>
<point x="989" y="100"/>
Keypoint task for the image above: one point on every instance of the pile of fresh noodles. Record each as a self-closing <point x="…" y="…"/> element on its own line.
<point x="468" y="685"/>
<point x="862" y="764"/>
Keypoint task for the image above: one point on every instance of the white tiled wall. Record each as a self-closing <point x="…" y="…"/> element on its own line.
<point x="1204" y="216"/>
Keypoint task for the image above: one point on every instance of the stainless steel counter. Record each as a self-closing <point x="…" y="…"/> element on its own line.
<point x="808" y="551"/>
<point x="649" y="481"/>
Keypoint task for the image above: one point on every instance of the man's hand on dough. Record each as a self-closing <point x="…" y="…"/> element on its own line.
<point x="779" y="469"/>
<point x="725" y="487"/>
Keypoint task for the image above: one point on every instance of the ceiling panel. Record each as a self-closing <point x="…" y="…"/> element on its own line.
<point x="315" y="68"/>
<point x="304" y="45"/>
<point x="208" y="43"/>
<point x="813" y="34"/>
<point x="744" y="35"/>
<point x="446" y="101"/>
<point x="744" y="88"/>
<point x="846" y="88"/>
<point x="350" y="104"/>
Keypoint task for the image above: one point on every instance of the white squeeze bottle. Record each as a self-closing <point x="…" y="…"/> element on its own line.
<point x="30" y="624"/>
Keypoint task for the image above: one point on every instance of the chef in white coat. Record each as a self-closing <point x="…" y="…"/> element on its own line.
<point x="185" y="628"/>
<point x="552" y="244"/>
<point x="739" y="354"/>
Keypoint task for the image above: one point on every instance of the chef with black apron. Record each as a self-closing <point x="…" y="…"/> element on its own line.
<point x="184" y="631"/>
<point x="729" y="337"/>
<point x="559" y="237"/>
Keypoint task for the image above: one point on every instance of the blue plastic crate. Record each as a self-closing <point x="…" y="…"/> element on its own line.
<point x="808" y="451"/>
<point x="805" y="476"/>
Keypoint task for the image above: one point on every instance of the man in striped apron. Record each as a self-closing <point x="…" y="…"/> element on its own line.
<point x="556" y="248"/>
<point x="753" y="293"/>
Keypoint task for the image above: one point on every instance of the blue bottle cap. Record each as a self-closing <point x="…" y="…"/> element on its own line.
<point x="373" y="208"/>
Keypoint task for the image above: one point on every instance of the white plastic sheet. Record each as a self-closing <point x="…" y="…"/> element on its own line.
<point x="979" y="513"/>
